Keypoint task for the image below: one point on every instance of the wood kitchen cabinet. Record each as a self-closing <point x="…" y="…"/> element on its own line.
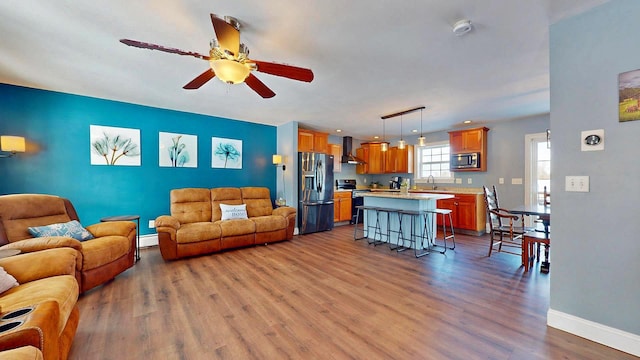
<point x="363" y="153"/>
<point x="342" y="206"/>
<point x="336" y="151"/>
<point x="468" y="213"/>
<point x="374" y="157"/>
<point x="312" y="141"/>
<point x="470" y="141"/>
<point x="400" y="160"/>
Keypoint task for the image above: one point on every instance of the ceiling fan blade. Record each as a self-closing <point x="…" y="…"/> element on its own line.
<point x="200" y="80"/>
<point x="149" y="46"/>
<point x="228" y="36"/>
<point x="259" y="87"/>
<point x="288" y="71"/>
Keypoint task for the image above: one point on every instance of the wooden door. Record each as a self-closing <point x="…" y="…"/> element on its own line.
<point x="466" y="208"/>
<point x="320" y="142"/>
<point x="377" y="159"/>
<point x="336" y="151"/>
<point x="363" y="154"/>
<point x="345" y="208"/>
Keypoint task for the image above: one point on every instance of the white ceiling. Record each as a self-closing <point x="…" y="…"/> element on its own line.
<point x="370" y="58"/>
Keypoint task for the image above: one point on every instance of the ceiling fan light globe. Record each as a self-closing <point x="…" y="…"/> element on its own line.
<point x="229" y="71"/>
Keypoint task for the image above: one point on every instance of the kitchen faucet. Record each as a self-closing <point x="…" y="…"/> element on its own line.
<point x="433" y="187"/>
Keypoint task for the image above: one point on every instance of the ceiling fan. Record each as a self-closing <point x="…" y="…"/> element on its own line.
<point x="229" y="60"/>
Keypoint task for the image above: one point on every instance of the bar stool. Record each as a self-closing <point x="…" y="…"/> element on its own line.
<point x="365" y="225"/>
<point x="378" y="228"/>
<point x="415" y="217"/>
<point x="444" y="214"/>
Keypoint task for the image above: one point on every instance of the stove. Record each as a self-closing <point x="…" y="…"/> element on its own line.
<point x="356" y="196"/>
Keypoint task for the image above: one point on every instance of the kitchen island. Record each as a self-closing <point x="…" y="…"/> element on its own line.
<point x="398" y="201"/>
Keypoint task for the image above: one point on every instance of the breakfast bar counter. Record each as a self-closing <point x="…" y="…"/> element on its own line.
<point x="398" y="201"/>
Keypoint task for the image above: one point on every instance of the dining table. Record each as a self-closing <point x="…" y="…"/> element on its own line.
<point x="543" y="212"/>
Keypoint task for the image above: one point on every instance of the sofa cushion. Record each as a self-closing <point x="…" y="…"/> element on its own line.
<point x="230" y="212"/>
<point x="269" y="223"/>
<point x="62" y="289"/>
<point x="196" y="232"/>
<point x="258" y="200"/>
<point x="236" y="227"/>
<point x="191" y="205"/>
<point x="103" y="250"/>
<point x="71" y="229"/>
<point x="6" y="281"/>
<point x="228" y="196"/>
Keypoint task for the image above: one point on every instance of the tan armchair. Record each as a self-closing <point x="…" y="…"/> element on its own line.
<point x="99" y="260"/>
<point x="40" y="315"/>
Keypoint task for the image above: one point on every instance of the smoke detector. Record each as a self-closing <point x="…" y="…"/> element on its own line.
<point x="462" y="27"/>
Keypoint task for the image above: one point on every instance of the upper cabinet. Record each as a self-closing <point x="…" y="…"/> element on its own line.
<point x="400" y="160"/>
<point x="374" y="157"/>
<point x="336" y="151"/>
<point x="470" y="141"/>
<point x="383" y="162"/>
<point x="312" y="141"/>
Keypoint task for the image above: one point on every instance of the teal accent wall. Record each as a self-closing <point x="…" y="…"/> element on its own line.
<point x="57" y="161"/>
<point x="595" y="269"/>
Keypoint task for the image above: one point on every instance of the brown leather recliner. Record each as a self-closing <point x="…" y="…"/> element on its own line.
<point x="99" y="260"/>
<point x="40" y="316"/>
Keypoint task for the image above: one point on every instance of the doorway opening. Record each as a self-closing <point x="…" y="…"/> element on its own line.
<point x="537" y="168"/>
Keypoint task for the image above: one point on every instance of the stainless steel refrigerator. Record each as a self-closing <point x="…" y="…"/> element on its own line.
<point x="315" y="192"/>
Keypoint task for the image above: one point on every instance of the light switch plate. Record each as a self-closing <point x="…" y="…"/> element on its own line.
<point x="516" y="181"/>
<point x="458" y="181"/>
<point x="501" y="181"/>
<point x="152" y="224"/>
<point x="576" y="183"/>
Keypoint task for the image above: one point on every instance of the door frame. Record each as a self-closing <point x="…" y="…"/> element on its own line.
<point x="530" y="160"/>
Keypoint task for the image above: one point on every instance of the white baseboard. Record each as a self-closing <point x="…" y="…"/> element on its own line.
<point x="612" y="337"/>
<point x="148" y="240"/>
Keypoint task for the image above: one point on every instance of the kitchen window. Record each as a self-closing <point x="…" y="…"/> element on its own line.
<point x="433" y="160"/>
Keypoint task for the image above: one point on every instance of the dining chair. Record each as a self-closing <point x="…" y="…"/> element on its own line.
<point x="503" y="226"/>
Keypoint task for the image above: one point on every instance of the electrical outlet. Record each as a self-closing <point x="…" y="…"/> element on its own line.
<point x="576" y="183"/>
<point x="469" y="181"/>
<point x="501" y="181"/>
<point x="458" y="181"/>
<point x="152" y="224"/>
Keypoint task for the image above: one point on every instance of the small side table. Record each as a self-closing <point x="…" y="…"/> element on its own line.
<point x="135" y="218"/>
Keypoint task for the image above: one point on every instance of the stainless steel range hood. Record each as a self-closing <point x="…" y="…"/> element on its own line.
<point x="347" y="152"/>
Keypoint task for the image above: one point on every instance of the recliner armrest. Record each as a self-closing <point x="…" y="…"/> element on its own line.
<point x="167" y="221"/>
<point x="110" y="228"/>
<point x="44" y="243"/>
<point x="284" y="211"/>
<point x="41" y="264"/>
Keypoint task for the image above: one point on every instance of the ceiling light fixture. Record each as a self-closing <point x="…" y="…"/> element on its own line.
<point x="467" y="122"/>
<point x="401" y="143"/>
<point x="385" y="145"/>
<point x="462" y="27"/>
<point x="422" y="141"/>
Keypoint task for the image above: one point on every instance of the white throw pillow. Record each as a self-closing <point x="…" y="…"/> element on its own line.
<point x="6" y="280"/>
<point x="233" y="211"/>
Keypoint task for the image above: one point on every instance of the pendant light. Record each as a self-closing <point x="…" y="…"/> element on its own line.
<point x="421" y="140"/>
<point x="385" y="145"/>
<point x="401" y="143"/>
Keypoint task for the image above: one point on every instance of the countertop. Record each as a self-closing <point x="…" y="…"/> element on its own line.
<point x="408" y="196"/>
<point x="474" y="191"/>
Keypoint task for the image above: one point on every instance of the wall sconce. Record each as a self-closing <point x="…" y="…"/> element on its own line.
<point x="277" y="161"/>
<point x="12" y="144"/>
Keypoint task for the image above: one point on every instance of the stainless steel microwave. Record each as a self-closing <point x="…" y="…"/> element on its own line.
<point x="465" y="161"/>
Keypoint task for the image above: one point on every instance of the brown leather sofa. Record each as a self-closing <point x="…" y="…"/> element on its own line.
<point x="99" y="260"/>
<point x="195" y="226"/>
<point x="39" y="317"/>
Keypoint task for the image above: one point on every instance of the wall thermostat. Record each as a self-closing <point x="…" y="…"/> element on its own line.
<point x="592" y="140"/>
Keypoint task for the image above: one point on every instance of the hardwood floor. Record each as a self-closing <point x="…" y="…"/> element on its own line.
<point x="325" y="296"/>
